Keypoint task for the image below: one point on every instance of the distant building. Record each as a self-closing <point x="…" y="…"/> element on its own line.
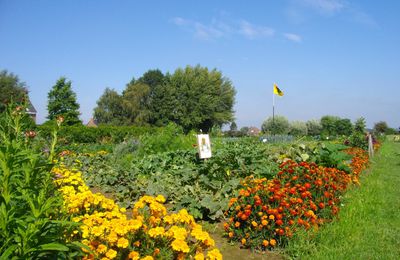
<point x="253" y="131"/>
<point x="31" y="111"/>
<point x="91" y="123"/>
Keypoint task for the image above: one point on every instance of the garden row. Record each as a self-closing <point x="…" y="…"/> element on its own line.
<point x="303" y="195"/>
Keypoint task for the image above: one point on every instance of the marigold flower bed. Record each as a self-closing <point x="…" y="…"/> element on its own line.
<point x="302" y="195"/>
<point x="152" y="233"/>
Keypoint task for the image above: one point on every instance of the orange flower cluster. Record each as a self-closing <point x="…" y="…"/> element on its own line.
<point x="358" y="163"/>
<point x="302" y="195"/>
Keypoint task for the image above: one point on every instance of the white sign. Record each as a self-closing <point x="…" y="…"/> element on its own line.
<point x="203" y="142"/>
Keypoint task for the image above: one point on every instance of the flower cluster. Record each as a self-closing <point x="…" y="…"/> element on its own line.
<point x="358" y="163"/>
<point x="151" y="233"/>
<point x="302" y="195"/>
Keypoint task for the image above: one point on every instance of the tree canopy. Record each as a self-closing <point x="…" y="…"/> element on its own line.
<point x="109" y="108"/>
<point x="193" y="98"/>
<point x="277" y="125"/>
<point x="62" y="102"/>
<point x="11" y="89"/>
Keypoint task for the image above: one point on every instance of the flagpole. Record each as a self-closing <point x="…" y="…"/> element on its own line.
<point x="273" y="108"/>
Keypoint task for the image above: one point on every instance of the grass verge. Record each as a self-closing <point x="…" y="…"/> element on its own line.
<point x="369" y="221"/>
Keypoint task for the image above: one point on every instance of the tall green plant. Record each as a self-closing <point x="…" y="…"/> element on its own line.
<point x="32" y="222"/>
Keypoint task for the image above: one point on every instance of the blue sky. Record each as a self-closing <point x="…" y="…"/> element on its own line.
<point x="337" y="57"/>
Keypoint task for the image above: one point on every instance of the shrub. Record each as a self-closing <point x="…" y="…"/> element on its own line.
<point x="277" y="125"/>
<point x="298" y="128"/>
<point x="314" y="127"/>
<point x="101" y="134"/>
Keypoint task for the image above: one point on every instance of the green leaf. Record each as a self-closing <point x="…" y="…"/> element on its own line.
<point x="53" y="247"/>
<point x="6" y="255"/>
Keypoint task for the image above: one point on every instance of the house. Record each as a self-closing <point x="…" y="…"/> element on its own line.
<point x="31" y="111"/>
<point x="253" y="131"/>
<point x="91" y="123"/>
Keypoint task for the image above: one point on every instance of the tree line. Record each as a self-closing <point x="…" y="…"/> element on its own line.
<point x="191" y="97"/>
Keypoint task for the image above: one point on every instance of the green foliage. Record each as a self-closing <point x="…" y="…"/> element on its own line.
<point x="109" y="109"/>
<point x="136" y="103"/>
<point x="369" y="213"/>
<point x="344" y="127"/>
<point x="314" y="127"/>
<point x="358" y="139"/>
<point x="381" y="127"/>
<point x="329" y="124"/>
<point x="278" y="125"/>
<point x="169" y="138"/>
<point x="33" y="224"/>
<point x="334" y="126"/>
<point x="202" y="187"/>
<point x="331" y="155"/>
<point x="195" y="98"/>
<point x="298" y="128"/>
<point x="101" y="134"/>
<point x="62" y="102"/>
<point x="324" y="154"/>
<point x="359" y="125"/>
<point x="11" y="89"/>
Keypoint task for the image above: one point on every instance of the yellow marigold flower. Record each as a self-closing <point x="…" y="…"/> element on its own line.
<point x="254" y="224"/>
<point x="123" y="242"/>
<point x="105" y="258"/>
<point x="272" y="242"/>
<point x="271" y="217"/>
<point x="199" y="256"/>
<point x="133" y="255"/>
<point x="264" y="222"/>
<point x="243" y="241"/>
<point x="101" y="249"/>
<point x="135" y="224"/>
<point x="180" y="246"/>
<point x="214" y="255"/>
<point x="112" y="237"/>
<point x="160" y="198"/>
<point x="111" y="254"/>
<point x="158" y="231"/>
<point x="147" y="258"/>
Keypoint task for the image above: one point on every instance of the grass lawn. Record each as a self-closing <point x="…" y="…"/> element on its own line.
<point x="369" y="221"/>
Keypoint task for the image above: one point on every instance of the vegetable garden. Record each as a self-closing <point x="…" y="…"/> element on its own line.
<point x="144" y="194"/>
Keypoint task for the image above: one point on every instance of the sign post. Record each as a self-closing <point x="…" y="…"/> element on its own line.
<point x="203" y="142"/>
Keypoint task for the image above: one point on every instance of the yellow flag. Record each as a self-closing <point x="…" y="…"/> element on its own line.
<point x="277" y="91"/>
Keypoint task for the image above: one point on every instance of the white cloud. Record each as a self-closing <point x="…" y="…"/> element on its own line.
<point x="179" y="21"/>
<point x="293" y="37"/>
<point x="252" y="31"/>
<point x="325" y="6"/>
<point x="223" y="28"/>
<point x="207" y="32"/>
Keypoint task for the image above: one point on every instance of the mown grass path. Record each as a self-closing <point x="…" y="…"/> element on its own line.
<point x="369" y="221"/>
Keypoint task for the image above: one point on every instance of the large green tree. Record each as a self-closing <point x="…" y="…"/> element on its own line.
<point x="11" y="89"/>
<point x="381" y="127"/>
<point x="136" y="103"/>
<point x="109" y="109"/>
<point x="277" y="125"/>
<point x="62" y="102"/>
<point x="196" y="98"/>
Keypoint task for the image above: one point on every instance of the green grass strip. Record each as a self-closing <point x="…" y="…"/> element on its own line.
<point x="368" y="226"/>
